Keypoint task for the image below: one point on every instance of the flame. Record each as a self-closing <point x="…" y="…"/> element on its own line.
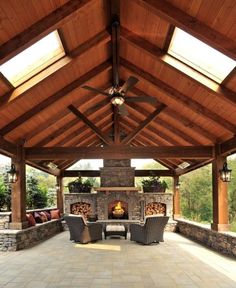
<point x="118" y="210"/>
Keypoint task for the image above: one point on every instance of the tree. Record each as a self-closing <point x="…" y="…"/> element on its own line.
<point x="36" y="197"/>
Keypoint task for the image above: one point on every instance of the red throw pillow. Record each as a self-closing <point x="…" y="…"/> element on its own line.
<point x="30" y="219"/>
<point x="55" y="214"/>
<point x="37" y="217"/>
<point x="43" y="216"/>
<point x="48" y="215"/>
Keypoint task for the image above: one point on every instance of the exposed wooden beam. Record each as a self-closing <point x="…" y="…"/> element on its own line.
<point x="61" y="114"/>
<point x="69" y="125"/>
<point x="179" y="171"/>
<point x="116" y="125"/>
<point x="166" y="125"/>
<point x="7" y="147"/>
<point x="49" y="72"/>
<point x="158" y="55"/>
<point x="137" y="173"/>
<point x="228" y="147"/>
<point x="55" y="172"/>
<point x="191" y="25"/>
<point x="144" y="124"/>
<point x="182" y="119"/>
<point x="55" y="97"/>
<point x="120" y="152"/>
<point x="90" y="124"/>
<point x="41" y="28"/>
<point x="178" y="96"/>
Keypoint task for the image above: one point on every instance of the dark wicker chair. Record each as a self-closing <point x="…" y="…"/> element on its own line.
<point x="151" y="231"/>
<point x="81" y="231"/>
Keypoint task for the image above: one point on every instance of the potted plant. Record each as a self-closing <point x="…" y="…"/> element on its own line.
<point x="154" y="184"/>
<point x="80" y="186"/>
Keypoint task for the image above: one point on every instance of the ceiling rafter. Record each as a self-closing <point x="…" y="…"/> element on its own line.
<point x="86" y="132"/>
<point x="144" y="124"/>
<point x="55" y="97"/>
<point x="89" y="123"/>
<point x="182" y="119"/>
<point x="191" y="25"/>
<point x="166" y="125"/>
<point x="96" y="41"/>
<point x="68" y="125"/>
<point x="157" y="54"/>
<point x="181" y="98"/>
<point x="61" y="114"/>
<point x="41" y="28"/>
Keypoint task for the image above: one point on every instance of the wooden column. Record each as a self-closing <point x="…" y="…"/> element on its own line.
<point x="18" y="193"/>
<point x="220" y="197"/>
<point x="60" y="200"/>
<point x="176" y="202"/>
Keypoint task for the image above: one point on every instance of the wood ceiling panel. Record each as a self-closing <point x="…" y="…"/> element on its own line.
<point x="144" y="23"/>
<point x="19" y="15"/>
<point x="95" y="19"/>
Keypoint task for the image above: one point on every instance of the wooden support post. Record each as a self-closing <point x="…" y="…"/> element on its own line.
<point x="18" y="193"/>
<point x="220" y="197"/>
<point x="176" y="202"/>
<point x="60" y="200"/>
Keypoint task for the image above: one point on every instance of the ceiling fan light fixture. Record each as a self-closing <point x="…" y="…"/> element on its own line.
<point x="117" y="101"/>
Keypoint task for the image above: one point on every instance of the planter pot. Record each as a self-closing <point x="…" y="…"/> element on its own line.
<point x="154" y="189"/>
<point x="79" y="189"/>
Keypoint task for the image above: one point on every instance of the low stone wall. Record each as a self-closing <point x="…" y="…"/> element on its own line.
<point x="223" y="242"/>
<point x="5" y="219"/>
<point x="13" y="240"/>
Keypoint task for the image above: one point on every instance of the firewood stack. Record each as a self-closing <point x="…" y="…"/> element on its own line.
<point x="81" y="208"/>
<point x="155" y="208"/>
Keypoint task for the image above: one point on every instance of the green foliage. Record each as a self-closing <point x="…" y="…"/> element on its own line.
<point x="153" y="183"/>
<point x="36" y="196"/>
<point x="196" y="195"/>
<point x="80" y="186"/>
<point x="5" y="194"/>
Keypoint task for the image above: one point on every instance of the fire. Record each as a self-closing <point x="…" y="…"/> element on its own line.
<point x="118" y="210"/>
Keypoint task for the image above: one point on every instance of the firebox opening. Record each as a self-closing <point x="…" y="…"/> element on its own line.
<point x="155" y="208"/>
<point x="81" y="208"/>
<point x="118" y="210"/>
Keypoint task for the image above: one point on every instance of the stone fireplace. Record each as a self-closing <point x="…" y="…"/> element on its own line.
<point x="117" y="187"/>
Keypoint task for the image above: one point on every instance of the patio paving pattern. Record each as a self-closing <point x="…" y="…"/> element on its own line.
<point x="116" y="262"/>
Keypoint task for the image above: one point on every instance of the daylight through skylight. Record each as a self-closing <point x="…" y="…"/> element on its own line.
<point x="33" y="59"/>
<point x="200" y="56"/>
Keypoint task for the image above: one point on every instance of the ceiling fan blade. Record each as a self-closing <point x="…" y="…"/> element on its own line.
<point x="95" y="90"/>
<point x="148" y="99"/>
<point x="122" y="110"/>
<point x="129" y="84"/>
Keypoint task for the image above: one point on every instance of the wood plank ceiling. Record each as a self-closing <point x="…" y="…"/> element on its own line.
<point x="52" y="110"/>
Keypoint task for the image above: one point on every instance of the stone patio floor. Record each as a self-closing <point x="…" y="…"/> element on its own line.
<point x="116" y="262"/>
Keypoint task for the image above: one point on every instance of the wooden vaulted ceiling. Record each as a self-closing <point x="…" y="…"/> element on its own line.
<point x="52" y="114"/>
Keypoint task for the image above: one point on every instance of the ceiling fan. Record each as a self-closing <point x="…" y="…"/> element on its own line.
<point x="117" y="93"/>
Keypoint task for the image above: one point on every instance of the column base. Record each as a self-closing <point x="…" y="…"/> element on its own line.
<point x="19" y="225"/>
<point x="176" y="216"/>
<point x="220" y="227"/>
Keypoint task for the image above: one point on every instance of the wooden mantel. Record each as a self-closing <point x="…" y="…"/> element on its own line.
<point x="117" y="189"/>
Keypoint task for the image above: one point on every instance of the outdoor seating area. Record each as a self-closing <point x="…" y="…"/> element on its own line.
<point x="117" y="144"/>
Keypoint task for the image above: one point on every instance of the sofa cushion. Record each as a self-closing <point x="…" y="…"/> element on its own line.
<point x="37" y="217"/>
<point x="55" y="214"/>
<point x="30" y="219"/>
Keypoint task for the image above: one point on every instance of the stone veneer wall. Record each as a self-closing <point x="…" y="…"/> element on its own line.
<point x="136" y="202"/>
<point x="13" y="240"/>
<point x="117" y="173"/>
<point x="219" y="241"/>
<point x="5" y="219"/>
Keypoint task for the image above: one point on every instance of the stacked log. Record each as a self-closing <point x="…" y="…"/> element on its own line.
<point x="81" y="208"/>
<point x="155" y="208"/>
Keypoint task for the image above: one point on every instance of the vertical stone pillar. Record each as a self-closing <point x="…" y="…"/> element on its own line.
<point x="176" y="202"/>
<point x="18" y="193"/>
<point x="60" y="199"/>
<point x="220" y="197"/>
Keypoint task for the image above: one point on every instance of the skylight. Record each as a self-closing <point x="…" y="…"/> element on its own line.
<point x="200" y="56"/>
<point x="33" y="59"/>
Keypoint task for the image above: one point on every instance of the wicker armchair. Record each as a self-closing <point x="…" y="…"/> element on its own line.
<point x="151" y="231"/>
<point x="81" y="231"/>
